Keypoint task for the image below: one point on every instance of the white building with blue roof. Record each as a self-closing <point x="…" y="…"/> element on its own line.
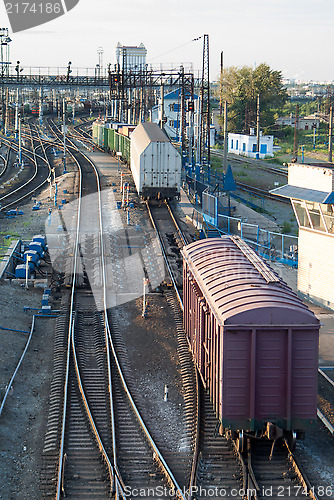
<point x="311" y="191"/>
<point x="246" y="145"/>
<point x="172" y="113"/>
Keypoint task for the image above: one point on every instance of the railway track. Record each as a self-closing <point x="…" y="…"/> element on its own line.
<point x="99" y="412"/>
<point x="217" y="468"/>
<point x="221" y="470"/>
<point x="254" y="163"/>
<point x="261" y="193"/>
<point x="132" y="453"/>
<point x="6" y="162"/>
<point x="30" y="182"/>
<point x="275" y="471"/>
<point x="253" y="190"/>
<point x="74" y="450"/>
<point x="326" y="398"/>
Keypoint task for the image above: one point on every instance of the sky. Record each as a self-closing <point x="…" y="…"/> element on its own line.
<point x="292" y="36"/>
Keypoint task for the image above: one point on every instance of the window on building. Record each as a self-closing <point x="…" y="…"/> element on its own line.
<point x="236" y="144"/>
<point x="176" y="107"/>
<point x="244" y="146"/>
<point x="231" y="143"/>
<point x="301" y="214"/>
<point x="327" y="211"/>
<point x="171" y="107"/>
<point x="314" y="215"/>
<point x="254" y="148"/>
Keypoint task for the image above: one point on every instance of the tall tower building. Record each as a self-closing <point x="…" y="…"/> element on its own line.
<point x="131" y="58"/>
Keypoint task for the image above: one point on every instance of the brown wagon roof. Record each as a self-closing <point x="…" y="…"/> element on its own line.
<point x="240" y="288"/>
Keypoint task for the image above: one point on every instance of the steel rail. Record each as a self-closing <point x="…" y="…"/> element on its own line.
<point x="273" y="170"/>
<point x="113" y="472"/>
<point x="34" y="160"/>
<point x="320" y="415"/>
<point x="168" y="473"/>
<point x="252" y="485"/>
<point x="193" y="473"/>
<point x="326" y="376"/>
<point x="111" y="469"/>
<point x="120" y="486"/>
<point x="197" y="437"/>
<point x="59" y="488"/>
<point x="5" y="161"/>
<point x="179" y="230"/>
<point x="165" y="255"/>
<point x="164" y="465"/>
<point x="325" y="421"/>
<point x="300" y="473"/>
<point x="260" y="192"/>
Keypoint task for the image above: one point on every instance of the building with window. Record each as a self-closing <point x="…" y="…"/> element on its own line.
<point x="172" y="114"/>
<point x="246" y="145"/>
<point x="131" y="58"/>
<point x="304" y="123"/>
<point x="311" y="191"/>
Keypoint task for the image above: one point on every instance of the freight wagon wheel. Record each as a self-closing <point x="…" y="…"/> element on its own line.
<point x="241" y="441"/>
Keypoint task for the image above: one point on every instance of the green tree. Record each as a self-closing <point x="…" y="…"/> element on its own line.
<point x="240" y="88"/>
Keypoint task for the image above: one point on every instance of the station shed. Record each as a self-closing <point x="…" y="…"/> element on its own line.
<point x="311" y="191"/>
<point x="246" y="145"/>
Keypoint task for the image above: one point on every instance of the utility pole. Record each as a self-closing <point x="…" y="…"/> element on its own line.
<point x="64" y="135"/>
<point x="205" y="105"/>
<point x="162" y="104"/>
<point x="221" y="90"/>
<point x="225" y="138"/>
<point x="20" y="140"/>
<point x="330" y="134"/>
<point x="7" y="112"/>
<point x="40" y="110"/>
<point x="295" y="142"/>
<point x="258" y="128"/>
<point x="16" y="126"/>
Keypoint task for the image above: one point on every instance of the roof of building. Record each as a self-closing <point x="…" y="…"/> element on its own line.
<point x="147" y="132"/>
<point x="317" y="165"/>
<point x="176" y="94"/>
<point x="300" y="193"/>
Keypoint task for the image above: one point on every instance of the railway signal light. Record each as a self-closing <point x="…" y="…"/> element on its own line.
<point x="190" y="105"/>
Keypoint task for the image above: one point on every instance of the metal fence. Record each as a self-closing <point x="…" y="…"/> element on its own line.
<point x="273" y="246"/>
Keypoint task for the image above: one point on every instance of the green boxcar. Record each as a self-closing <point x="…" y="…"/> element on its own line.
<point x="116" y="144"/>
<point x="127" y="143"/>
<point x="111" y="139"/>
<point x="105" y="138"/>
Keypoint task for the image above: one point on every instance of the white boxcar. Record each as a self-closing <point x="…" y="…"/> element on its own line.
<point x="155" y="163"/>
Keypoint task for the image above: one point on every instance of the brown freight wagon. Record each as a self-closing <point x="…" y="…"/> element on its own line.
<point x="254" y="342"/>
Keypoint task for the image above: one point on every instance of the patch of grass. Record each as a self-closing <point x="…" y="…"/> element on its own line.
<point x="286" y="227"/>
<point x="27" y="223"/>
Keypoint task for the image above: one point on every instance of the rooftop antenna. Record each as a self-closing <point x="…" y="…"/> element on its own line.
<point x="100" y="67"/>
